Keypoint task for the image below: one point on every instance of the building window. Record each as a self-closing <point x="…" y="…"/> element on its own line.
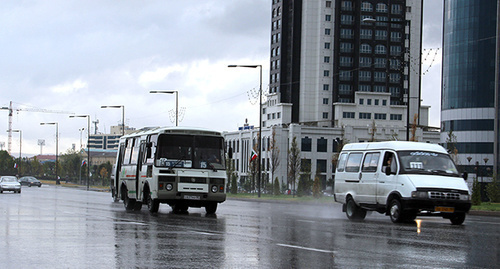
<point x="396" y="9"/>
<point x="396" y="36"/>
<point x="326" y="59"/>
<point x="328" y="3"/>
<point x="379" y="88"/>
<point x="380" y="49"/>
<point x="395" y="50"/>
<point x="369" y="102"/>
<point x="380" y="35"/>
<point x="325" y="115"/>
<point x="345" y="75"/>
<point x="361" y="101"/>
<point x="365" y="61"/>
<point x="346" y="33"/>
<point x="380" y="62"/>
<point x="379" y="76"/>
<point x="394" y="91"/>
<point x="366" y="6"/>
<point x="325" y="101"/>
<point x="327" y="45"/>
<point x="380" y="116"/>
<point x="348" y="115"/>
<point x="384" y="102"/>
<point x="381" y="7"/>
<point x="346" y="47"/>
<point x="395" y="64"/>
<point x="396" y="117"/>
<point x="394" y="78"/>
<point x="345" y="5"/>
<point x="306" y="144"/>
<point x="328" y="17"/>
<point x="376" y="102"/>
<point x="327" y="31"/>
<point x="345" y="61"/>
<point x="365" y="88"/>
<point x="365" y="48"/>
<point x="365" y="34"/>
<point x="326" y="87"/>
<point x="326" y="73"/>
<point x="346" y="19"/>
<point x="345" y="89"/>
<point x="278" y="115"/>
<point x="365" y="76"/>
<point x="321" y="166"/>
<point x="365" y="116"/>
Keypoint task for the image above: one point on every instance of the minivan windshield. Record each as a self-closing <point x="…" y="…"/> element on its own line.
<point x="426" y="162"/>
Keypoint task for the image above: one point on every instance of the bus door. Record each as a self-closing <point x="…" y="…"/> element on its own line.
<point x="386" y="182"/>
<point x="118" y="168"/>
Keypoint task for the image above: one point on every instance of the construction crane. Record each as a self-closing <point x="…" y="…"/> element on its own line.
<point x="11" y="110"/>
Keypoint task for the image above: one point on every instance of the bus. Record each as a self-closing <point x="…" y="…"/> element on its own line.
<point x="182" y="167"/>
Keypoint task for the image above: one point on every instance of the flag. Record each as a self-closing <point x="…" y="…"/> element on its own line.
<point x="84" y="162"/>
<point x="254" y="155"/>
<point x="15" y="165"/>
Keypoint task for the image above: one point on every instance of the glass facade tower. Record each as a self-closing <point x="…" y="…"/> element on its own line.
<point x="468" y="81"/>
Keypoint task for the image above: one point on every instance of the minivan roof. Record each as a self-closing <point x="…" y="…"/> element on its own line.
<point x="395" y="145"/>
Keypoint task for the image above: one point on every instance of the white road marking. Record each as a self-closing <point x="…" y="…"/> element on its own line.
<point x="305" y="248"/>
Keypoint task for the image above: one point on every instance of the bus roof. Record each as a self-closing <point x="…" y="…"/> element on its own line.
<point x="173" y="130"/>
<point x="395" y="145"/>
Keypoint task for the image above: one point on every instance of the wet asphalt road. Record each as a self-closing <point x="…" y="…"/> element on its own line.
<point x="59" y="227"/>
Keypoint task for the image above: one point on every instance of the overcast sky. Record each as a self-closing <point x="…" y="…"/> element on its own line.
<point x="75" y="56"/>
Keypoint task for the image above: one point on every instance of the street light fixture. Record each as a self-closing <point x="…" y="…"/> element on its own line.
<point x="260" y="120"/>
<point x="88" y="142"/>
<point x="20" y="147"/>
<point x="123" y="115"/>
<point x="176" y="103"/>
<point x="57" y="145"/>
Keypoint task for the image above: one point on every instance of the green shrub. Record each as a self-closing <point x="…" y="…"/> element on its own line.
<point x="493" y="190"/>
<point x="476" y="193"/>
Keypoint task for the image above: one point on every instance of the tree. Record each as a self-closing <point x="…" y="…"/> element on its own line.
<point x="234" y="184"/>
<point x="70" y="164"/>
<point x="451" y="142"/>
<point x="276" y="186"/>
<point x="304" y="186"/>
<point x="231" y="175"/>
<point x="316" y="187"/>
<point x="293" y="163"/>
<point x="275" y="154"/>
<point x="476" y="192"/>
<point x="493" y="190"/>
<point x="6" y="163"/>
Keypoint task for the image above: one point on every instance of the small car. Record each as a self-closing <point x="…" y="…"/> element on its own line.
<point x="30" y="181"/>
<point x="9" y="183"/>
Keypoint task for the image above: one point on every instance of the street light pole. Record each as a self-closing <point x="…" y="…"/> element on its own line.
<point x="176" y="103"/>
<point x="260" y="122"/>
<point x="20" y="148"/>
<point x="57" y="145"/>
<point x="88" y="147"/>
<point x="123" y="115"/>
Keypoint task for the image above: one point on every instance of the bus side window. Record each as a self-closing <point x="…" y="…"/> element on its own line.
<point x="134" y="156"/>
<point x="341" y="162"/>
<point x="371" y="162"/>
<point x="128" y="151"/>
<point x="353" y="162"/>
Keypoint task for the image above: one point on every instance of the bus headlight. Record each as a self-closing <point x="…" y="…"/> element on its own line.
<point x="419" y="194"/>
<point x="169" y="187"/>
<point x="214" y="188"/>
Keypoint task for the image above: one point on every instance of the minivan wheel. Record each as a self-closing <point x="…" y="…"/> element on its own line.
<point x="457" y="218"/>
<point x="396" y="211"/>
<point x="353" y="211"/>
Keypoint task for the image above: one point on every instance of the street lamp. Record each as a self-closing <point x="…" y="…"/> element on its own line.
<point x="88" y="142"/>
<point x="260" y="120"/>
<point x="20" y="147"/>
<point x="123" y="115"/>
<point x="57" y="144"/>
<point x="176" y="103"/>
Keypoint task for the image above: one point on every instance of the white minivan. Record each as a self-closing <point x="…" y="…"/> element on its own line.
<point x="400" y="179"/>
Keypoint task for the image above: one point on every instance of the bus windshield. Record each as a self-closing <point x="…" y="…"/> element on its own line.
<point x="428" y="163"/>
<point x="190" y="151"/>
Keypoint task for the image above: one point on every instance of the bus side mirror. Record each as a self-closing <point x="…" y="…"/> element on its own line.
<point x="465" y="175"/>
<point x="230" y="153"/>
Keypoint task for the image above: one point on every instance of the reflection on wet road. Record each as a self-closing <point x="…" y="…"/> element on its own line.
<point x="57" y="227"/>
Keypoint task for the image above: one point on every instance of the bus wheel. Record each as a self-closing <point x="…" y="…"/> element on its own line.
<point x="396" y="211"/>
<point x="127" y="202"/>
<point x="153" y="204"/>
<point x="211" y="208"/>
<point x="457" y="218"/>
<point x="353" y="211"/>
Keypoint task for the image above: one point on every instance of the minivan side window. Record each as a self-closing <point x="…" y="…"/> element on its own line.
<point x="353" y="162"/>
<point x="371" y="162"/>
<point x="341" y="162"/>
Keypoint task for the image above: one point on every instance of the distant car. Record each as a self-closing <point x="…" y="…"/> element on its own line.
<point x="9" y="183"/>
<point x="30" y="181"/>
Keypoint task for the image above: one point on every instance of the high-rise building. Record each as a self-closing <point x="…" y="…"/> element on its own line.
<point x="470" y="82"/>
<point x="323" y="52"/>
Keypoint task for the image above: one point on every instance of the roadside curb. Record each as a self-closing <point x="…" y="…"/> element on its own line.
<point x="485" y="213"/>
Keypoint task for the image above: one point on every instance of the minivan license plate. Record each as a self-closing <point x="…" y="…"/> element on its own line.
<point x="444" y="209"/>
<point x="192" y="197"/>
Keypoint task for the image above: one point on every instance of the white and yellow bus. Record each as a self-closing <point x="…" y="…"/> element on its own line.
<point x="183" y="167"/>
